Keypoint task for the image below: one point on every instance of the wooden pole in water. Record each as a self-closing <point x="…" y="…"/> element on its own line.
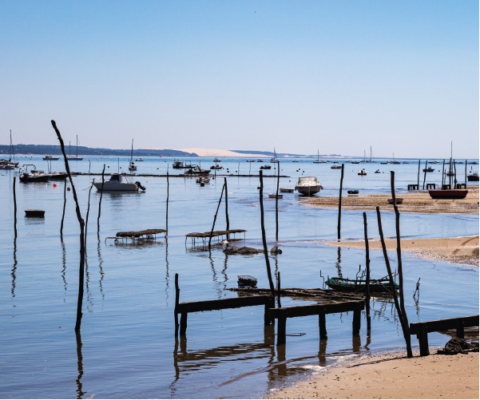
<point x="455" y="176"/>
<point x="177" y="299"/>
<point x="88" y="212"/>
<point x="392" y="286"/>
<point x="340" y="206"/>
<point x="418" y="176"/>
<point x="450" y="173"/>
<point x="443" y="173"/>
<point x="425" y="175"/>
<point x="264" y="238"/>
<point x="278" y="290"/>
<point x="14" y="207"/>
<point x="100" y="202"/>
<point x="215" y="219"/>
<point x="367" y="266"/>
<point x="168" y="197"/>
<point x="276" y="202"/>
<point x="226" y="207"/>
<point x="466" y="174"/>
<point x="64" y="206"/>
<point x="82" y="233"/>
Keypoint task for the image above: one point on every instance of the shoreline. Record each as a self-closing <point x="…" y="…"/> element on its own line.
<point x="392" y="375"/>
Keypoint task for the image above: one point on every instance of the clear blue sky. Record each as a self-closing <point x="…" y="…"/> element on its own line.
<point x="338" y="76"/>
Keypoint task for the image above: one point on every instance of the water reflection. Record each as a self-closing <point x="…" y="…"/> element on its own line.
<point x="167" y="272"/>
<point x="89" y="293"/>
<point x="100" y="263"/>
<point x="339" y="261"/>
<point x="80" y="392"/>
<point x="14" y="267"/>
<point x="64" y="269"/>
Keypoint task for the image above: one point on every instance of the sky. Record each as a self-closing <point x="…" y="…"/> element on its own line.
<point x="334" y="76"/>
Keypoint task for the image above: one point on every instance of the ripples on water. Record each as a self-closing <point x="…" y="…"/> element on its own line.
<point x="127" y="347"/>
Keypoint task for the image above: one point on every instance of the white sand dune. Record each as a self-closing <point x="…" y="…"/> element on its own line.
<point x="218" y="153"/>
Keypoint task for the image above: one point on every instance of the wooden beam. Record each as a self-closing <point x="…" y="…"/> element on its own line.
<point x="443" y="324"/>
<point x="316" y="309"/>
<point x="210" y="305"/>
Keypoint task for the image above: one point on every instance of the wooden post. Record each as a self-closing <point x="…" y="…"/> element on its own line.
<point x="276" y="202"/>
<point x="418" y="176"/>
<point x="423" y="339"/>
<point x="454" y="176"/>
<point x="82" y="233"/>
<point x="269" y="304"/>
<point x="183" y="324"/>
<point x="340" y="206"/>
<point x="450" y="173"/>
<point x="15" y="207"/>
<point x="88" y="212"/>
<point x="226" y="206"/>
<point x="264" y="239"/>
<point x="356" y="320"/>
<point x="282" y="330"/>
<point x="64" y="206"/>
<point x="460" y="329"/>
<point x="443" y="173"/>
<point x="367" y="266"/>
<point x="168" y="197"/>
<point x="322" y="324"/>
<point x="392" y="286"/>
<point x="466" y="174"/>
<point x="278" y="290"/>
<point x="215" y="219"/>
<point x="177" y="300"/>
<point x="100" y="202"/>
<point x="424" y="175"/>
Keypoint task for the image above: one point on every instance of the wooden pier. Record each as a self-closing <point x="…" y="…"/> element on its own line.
<point x="217" y="234"/>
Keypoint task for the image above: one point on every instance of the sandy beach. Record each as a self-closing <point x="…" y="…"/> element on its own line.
<point x="458" y="250"/>
<point x="415" y="202"/>
<point x="393" y="376"/>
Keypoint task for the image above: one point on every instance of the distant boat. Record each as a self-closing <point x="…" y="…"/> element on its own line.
<point x="217" y="160"/>
<point x="118" y="183"/>
<point x="139" y="160"/>
<point x="132" y="167"/>
<point x="308" y="185"/>
<point x="48" y="157"/>
<point x="250" y="160"/>
<point x="384" y="162"/>
<point x="377" y="171"/>
<point x="76" y="158"/>
<point x="358" y="285"/>
<point x="336" y="166"/>
<point x="317" y="161"/>
<point x="266" y="167"/>
<point x="177" y="164"/>
<point x="259" y="160"/>
<point x="473" y="177"/>
<point x="362" y="172"/>
<point x="393" y="161"/>
<point x="405" y="162"/>
<point x="429" y="169"/>
<point x="274" y="159"/>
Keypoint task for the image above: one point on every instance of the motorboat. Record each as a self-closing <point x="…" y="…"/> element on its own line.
<point x="384" y="162"/>
<point x="6" y="165"/>
<point x="266" y="167"/>
<point x="139" y="160"/>
<point x="362" y="172"/>
<point x="308" y="185"/>
<point x="473" y="177"/>
<point x="203" y="179"/>
<point x="405" y="162"/>
<point x="474" y="163"/>
<point x="336" y="166"/>
<point x="377" y="171"/>
<point x="274" y="196"/>
<point x="34" y="175"/>
<point x="48" y="157"/>
<point x="356" y="162"/>
<point x="196" y="170"/>
<point x="433" y="162"/>
<point x="259" y="160"/>
<point x="250" y="160"/>
<point x="217" y="160"/>
<point x="177" y="164"/>
<point x="216" y="167"/>
<point x="429" y="169"/>
<point x="58" y="176"/>
<point x="118" y="183"/>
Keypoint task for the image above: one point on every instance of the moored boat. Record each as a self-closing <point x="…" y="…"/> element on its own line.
<point x="308" y="185"/>
<point x="118" y="183"/>
<point x="449" y="194"/>
<point x="360" y="285"/>
<point x="473" y="177"/>
<point x="48" y="157"/>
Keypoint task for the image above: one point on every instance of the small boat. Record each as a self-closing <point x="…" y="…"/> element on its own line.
<point x="405" y="162"/>
<point x="295" y="161"/>
<point x="433" y="162"/>
<point x="196" y="170"/>
<point x="384" y="162"/>
<point x="58" y="176"/>
<point x="355" y="162"/>
<point x="48" y="157"/>
<point x="203" y="179"/>
<point x="7" y="165"/>
<point x="286" y="190"/>
<point x="132" y="167"/>
<point x="118" y="183"/>
<point x="429" y="169"/>
<point x="177" y="164"/>
<point x="247" y="281"/>
<point x="377" y="171"/>
<point x="362" y="172"/>
<point x="317" y="161"/>
<point x="139" y="160"/>
<point x="259" y="160"/>
<point x="451" y="194"/>
<point x="35" y="213"/>
<point x="473" y="177"/>
<point x="394" y="161"/>
<point x="250" y="160"/>
<point x="217" y="160"/>
<point x="216" y="167"/>
<point x="336" y="166"/>
<point x="266" y="167"/>
<point x="474" y="163"/>
<point x="34" y="175"/>
<point x="308" y="185"/>
<point x="352" y="192"/>
<point x="360" y="285"/>
<point x="274" y="196"/>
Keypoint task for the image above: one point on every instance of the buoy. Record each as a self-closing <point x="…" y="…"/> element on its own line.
<point x="68" y="188"/>
<point x="54" y="185"/>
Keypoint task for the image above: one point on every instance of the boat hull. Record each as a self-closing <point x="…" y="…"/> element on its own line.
<point x="359" y="286"/>
<point x="116" y="187"/>
<point x="308" y="190"/>
<point x="472" y="178"/>
<point x="448" y="194"/>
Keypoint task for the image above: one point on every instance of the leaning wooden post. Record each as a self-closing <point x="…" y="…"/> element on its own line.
<point x="100" y="202"/>
<point x="424" y="175"/>
<point x="443" y="173"/>
<point x="64" y="206"/>
<point x="14" y="207"/>
<point x="392" y="285"/>
<point x="215" y="219"/>
<point x="276" y="202"/>
<point x="226" y="207"/>
<point x="278" y="290"/>
<point x="340" y="206"/>
<point x="264" y="238"/>
<point x="418" y="176"/>
<point x="466" y="174"/>
<point x="168" y="196"/>
<point x="367" y="266"/>
<point x="82" y="233"/>
<point x="177" y="300"/>
<point x="88" y="212"/>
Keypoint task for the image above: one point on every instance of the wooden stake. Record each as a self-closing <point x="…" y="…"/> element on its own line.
<point x="392" y="286"/>
<point x="418" y="175"/>
<point x="264" y="238"/>
<point x="455" y="176"/>
<point x="88" y="212"/>
<point x="276" y="201"/>
<point x="215" y="219"/>
<point x="82" y="233"/>
<point x="340" y="206"/>
<point x="177" y="299"/>
<point x="15" y="207"/>
<point x="168" y="197"/>
<point x="424" y="176"/>
<point x="367" y="266"/>
<point x="278" y="290"/>
<point x="64" y="206"/>
<point x="100" y="202"/>
<point x="226" y="207"/>
<point x="466" y="174"/>
<point x="443" y="173"/>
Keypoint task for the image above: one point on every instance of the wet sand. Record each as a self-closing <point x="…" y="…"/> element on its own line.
<point x="413" y="202"/>
<point x="463" y="250"/>
<point x="393" y="376"/>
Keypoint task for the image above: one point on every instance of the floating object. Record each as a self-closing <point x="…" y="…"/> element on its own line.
<point x="358" y="285"/>
<point x="58" y="176"/>
<point x="266" y="167"/>
<point x="448" y="194"/>
<point x="35" y="213"/>
<point x="308" y="185"/>
<point x="352" y="192"/>
<point x="336" y="166"/>
<point x="275" y="250"/>
<point x="247" y="281"/>
<point x="54" y="185"/>
<point x="244" y="251"/>
<point x="68" y="189"/>
<point x="273" y="196"/>
<point x="429" y="169"/>
<point x="398" y="200"/>
<point x="377" y="171"/>
<point x="48" y="157"/>
<point x="286" y="190"/>
<point x="362" y="172"/>
<point x="473" y="177"/>
<point x="119" y="183"/>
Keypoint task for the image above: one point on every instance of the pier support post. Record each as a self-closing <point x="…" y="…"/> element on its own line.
<point x="357" y="320"/>
<point x="15" y="206"/>
<point x="460" y="329"/>
<point x="268" y="320"/>
<point x="177" y="300"/>
<point x="423" y="340"/>
<point x="340" y="206"/>
<point x="367" y="266"/>
<point x="183" y="324"/>
<point x="322" y="324"/>
<point x="100" y="202"/>
<point x="282" y="330"/>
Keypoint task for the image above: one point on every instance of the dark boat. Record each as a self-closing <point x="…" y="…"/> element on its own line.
<point x="448" y="194"/>
<point x="353" y="192"/>
<point x="247" y="281"/>
<point x="359" y="285"/>
<point x="429" y="169"/>
<point x="266" y="167"/>
<point x="58" y="176"/>
<point x="196" y="170"/>
<point x="473" y="177"/>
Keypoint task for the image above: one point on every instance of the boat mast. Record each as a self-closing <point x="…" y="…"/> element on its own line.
<point x="77" y="146"/>
<point x="318" y="155"/>
<point x="69" y="148"/>
<point x="131" y="154"/>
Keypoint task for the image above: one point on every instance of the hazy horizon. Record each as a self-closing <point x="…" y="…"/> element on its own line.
<point x="337" y="76"/>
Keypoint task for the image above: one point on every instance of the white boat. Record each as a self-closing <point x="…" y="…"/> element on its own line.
<point x="336" y="166"/>
<point x="317" y="161"/>
<point x="48" y="157"/>
<point x="362" y="172"/>
<point x="132" y="167"/>
<point x="139" y="160"/>
<point x="308" y="185"/>
<point x="274" y="159"/>
<point x="119" y="183"/>
<point x="74" y="158"/>
<point x="202" y="180"/>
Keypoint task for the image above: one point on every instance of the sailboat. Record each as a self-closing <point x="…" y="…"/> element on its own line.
<point x="394" y="162"/>
<point x="274" y="159"/>
<point x="317" y="161"/>
<point x="370" y="160"/>
<point x="76" y="158"/>
<point x="132" y="167"/>
<point x="10" y="163"/>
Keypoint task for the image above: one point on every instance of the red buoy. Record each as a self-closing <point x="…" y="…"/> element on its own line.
<point x="54" y="185"/>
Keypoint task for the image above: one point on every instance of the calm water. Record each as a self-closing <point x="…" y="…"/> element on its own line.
<point x="127" y="347"/>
